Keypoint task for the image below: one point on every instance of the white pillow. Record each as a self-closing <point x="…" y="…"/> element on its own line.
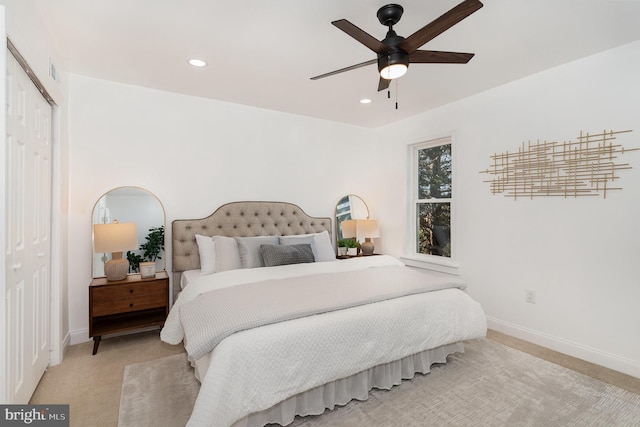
<point x="320" y="244"/>
<point x="217" y="253"/>
<point x="207" y="250"/>
<point x="227" y="253"/>
<point x="249" y="249"/>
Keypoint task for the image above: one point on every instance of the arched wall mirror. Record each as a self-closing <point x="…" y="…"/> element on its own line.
<point x="350" y="207"/>
<point x="130" y="205"/>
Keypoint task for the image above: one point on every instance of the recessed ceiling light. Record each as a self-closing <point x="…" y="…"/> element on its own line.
<point x="365" y="101"/>
<point x="197" y="62"/>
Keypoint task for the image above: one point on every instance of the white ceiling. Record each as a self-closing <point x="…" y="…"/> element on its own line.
<point x="263" y="53"/>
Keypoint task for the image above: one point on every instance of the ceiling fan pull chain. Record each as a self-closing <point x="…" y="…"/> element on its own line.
<point x="396" y="94"/>
<point x="388" y="94"/>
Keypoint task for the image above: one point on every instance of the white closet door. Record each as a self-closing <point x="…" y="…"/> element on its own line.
<point x="28" y="242"/>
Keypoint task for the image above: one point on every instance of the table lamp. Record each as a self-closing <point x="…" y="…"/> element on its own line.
<point x="115" y="238"/>
<point x="365" y="229"/>
<point x="368" y="229"/>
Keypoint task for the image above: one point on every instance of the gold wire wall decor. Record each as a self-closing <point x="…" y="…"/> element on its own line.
<point x="586" y="167"/>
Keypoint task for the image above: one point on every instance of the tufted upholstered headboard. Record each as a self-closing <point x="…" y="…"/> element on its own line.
<point x="239" y="219"/>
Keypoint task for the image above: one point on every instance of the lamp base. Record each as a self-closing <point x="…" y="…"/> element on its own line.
<point x="116" y="269"/>
<point x="367" y="247"/>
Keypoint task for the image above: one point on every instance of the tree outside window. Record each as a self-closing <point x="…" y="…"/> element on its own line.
<point x="433" y="197"/>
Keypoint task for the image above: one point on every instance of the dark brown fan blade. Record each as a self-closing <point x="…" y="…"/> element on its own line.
<point x="363" y="37"/>
<point x="439" y="25"/>
<point x="437" y="57"/>
<point x="342" y="70"/>
<point x="383" y="84"/>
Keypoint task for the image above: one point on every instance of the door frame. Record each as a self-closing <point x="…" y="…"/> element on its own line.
<point x="59" y="339"/>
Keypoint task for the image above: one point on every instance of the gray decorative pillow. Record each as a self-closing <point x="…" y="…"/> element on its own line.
<point x="249" y="249"/>
<point x="273" y="255"/>
<point x="320" y="244"/>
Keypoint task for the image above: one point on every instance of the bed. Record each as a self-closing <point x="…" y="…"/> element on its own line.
<point x="281" y="328"/>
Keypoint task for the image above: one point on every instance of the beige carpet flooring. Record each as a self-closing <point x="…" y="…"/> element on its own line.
<point x="92" y="384"/>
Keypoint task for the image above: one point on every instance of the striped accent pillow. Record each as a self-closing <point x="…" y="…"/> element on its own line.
<point x="273" y="255"/>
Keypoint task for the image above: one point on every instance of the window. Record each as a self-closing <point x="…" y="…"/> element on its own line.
<point x="432" y="198"/>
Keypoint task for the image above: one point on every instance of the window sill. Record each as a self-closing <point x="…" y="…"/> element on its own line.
<point x="439" y="264"/>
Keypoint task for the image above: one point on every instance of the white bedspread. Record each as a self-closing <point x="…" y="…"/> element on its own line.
<point x="172" y="332"/>
<point x="258" y="368"/>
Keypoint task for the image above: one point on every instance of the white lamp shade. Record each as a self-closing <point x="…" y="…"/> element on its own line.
<point x="116" y="237"/>
<point x="360" y="228"/>
<point x="367" y="228"/>
<point x="348" y="228"/>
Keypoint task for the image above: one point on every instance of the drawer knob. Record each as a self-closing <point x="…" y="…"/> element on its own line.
<point x="130" y="291"/>
<point x="131" y="305"/>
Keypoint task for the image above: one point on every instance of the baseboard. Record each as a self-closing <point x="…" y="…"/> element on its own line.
<point x="79" y="336"/>
<point x="56" y="356"/>
<point x="611" y="361"/>
<point x="66" y="342"/>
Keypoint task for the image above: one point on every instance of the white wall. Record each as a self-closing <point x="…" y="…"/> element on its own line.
<point x="579" y="255"/>
<point x="196" y="154"/>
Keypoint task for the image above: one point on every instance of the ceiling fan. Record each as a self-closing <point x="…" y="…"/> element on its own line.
<point x="395" y="52"/>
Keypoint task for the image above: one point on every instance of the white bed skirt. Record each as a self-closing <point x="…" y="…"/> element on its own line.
<point x="357" y="386"/>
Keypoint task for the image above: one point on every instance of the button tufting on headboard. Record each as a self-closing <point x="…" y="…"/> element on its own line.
<point x="235" y="219"/>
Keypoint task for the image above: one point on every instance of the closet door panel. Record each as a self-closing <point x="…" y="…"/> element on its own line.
<point x="28" y="217"/>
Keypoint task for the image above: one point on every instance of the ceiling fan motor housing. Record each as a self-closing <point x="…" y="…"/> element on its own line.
<point x="397" y="56"/>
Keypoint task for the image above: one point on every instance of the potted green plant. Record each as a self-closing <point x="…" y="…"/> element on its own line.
<point x="134" y="261"/>
<point x="352" y="247"/>
<point x="342" y="247"/>
<point x="151" y="249"/>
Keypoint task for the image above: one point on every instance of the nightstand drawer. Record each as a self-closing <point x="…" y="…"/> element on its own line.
<point x="133" y="297"/>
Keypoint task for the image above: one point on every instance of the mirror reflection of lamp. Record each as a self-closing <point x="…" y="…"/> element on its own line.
<point x="115" y="238"/>
<point x="366" y="229"/>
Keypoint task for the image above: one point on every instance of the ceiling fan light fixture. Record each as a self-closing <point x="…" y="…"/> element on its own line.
<point x="393" y="71"/>
<point x="393" y="65"/>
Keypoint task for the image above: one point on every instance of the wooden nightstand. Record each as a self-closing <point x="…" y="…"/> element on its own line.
<point x="353" y="256"/>
<point x="128" y="304"/>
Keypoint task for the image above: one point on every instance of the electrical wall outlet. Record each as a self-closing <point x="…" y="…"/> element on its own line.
<point x="531" y="296"/>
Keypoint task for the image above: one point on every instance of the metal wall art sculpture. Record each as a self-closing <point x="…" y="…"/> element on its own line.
<point x="586" y="167"/>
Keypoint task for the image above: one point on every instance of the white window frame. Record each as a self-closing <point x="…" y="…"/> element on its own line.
<point x="412" y="257"/>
